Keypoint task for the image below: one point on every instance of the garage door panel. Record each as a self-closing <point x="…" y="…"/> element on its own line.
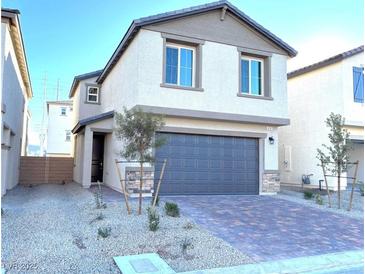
<point x="200" y="164"/>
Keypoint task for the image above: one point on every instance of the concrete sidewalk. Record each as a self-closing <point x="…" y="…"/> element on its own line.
<point x="350" y="262"/>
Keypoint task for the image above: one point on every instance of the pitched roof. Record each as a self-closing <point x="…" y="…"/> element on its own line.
<point x="326" y="62"/>
<point x="138" y="23"/>
<point x="81" y="77"/>
<point x="82" y="123"/>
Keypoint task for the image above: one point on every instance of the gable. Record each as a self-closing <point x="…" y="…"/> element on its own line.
<point x="209" y="26"/>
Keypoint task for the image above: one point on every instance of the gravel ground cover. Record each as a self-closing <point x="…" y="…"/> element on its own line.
<point x="357" y="210"/>
<point x="53" y="229"/>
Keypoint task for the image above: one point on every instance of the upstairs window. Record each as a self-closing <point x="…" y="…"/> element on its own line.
<point x="68" y="136"/>
<point x="63" y="111"/>
<point x="252" y="76"/>
<point x="92" y="95"/>
<point x="358" y="84"/>
<point x="180" y="62"/>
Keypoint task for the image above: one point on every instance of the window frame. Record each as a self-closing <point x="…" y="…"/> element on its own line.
<point x="193" y="72"/>
<point x="262" y="68"/>
<point x="88" y="87"/>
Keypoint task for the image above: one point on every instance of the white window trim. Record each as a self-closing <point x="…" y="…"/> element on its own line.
<point x="179" y="47"/>
<point x="97" y="95"/>
<point x="249" y="59"/>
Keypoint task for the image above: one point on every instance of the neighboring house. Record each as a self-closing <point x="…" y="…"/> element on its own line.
<point x="16" y="91"/>
<point x="217" y="76"/>
<point x="332" y="85"/>
<point x="59" y="137"/>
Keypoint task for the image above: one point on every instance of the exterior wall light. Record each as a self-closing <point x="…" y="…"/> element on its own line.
<point x="271" y="140"/>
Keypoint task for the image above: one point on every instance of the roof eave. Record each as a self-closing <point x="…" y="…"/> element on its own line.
<point x="137" y="24"/>
<point x="325" y="62"/>
<point x="17" y="37"/>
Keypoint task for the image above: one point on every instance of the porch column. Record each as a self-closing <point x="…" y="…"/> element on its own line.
<point x="86" y="165"/>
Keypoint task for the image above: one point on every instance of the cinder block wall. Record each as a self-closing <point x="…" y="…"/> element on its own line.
<point x="44" y="170"/>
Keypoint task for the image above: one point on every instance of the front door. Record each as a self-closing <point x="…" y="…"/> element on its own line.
<point x="97" y="158"/>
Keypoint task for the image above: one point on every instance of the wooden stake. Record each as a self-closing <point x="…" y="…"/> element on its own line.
<point x="123" y="187"/>
<point x="325" y="180"/>
<point x="159" y="183"/>
<point x="353" y="185"/>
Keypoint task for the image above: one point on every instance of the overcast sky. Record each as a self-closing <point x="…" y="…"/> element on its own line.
<point x="66" y="38"/>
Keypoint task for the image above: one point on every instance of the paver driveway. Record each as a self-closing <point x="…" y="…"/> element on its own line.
<point x="269" y="229"/>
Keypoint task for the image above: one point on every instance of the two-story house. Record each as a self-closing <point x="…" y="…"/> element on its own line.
<point x="16" y="91"/>
<point x="219" y="79"/>
<point x="332" y="85"/>
<point x="59" y="136"/>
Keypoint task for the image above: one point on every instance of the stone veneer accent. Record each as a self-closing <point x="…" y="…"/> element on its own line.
<point x="132" y="175"/>
<point x="270" y="182"/>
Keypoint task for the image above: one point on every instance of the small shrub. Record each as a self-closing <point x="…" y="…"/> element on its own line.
<point x="157" y="200"/>
<point x="188" y="225"/>
<point x="98" y="218"/>
<point x="153" y="219"/>
<point x="104" y="232"/>
<point x="308" y="195"/>
<point x="172" y="209"/>
<point x="319" y="199"/>
<point x="186" y="243"/>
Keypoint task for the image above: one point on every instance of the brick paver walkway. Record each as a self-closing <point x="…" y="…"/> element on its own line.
<point x="266" y="228"/>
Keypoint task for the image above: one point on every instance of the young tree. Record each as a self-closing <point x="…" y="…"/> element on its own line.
<point x="137" y="130"/>
<point x="336" y="160"/>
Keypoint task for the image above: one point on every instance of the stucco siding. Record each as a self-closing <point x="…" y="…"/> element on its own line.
<point x="311" y="98"/>
<point x="56" y="131"/>
<point x="120" y="88"/>
<point x="353" y="112"/>
<point x="137" y="77"/>
<point x="217" y="83"/>
<point x="14" y="111"/>
<point x="208" y="26"/>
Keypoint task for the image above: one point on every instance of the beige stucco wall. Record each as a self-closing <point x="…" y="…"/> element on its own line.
<point x="311" y="99"/>
<point x="220" y="81"/>
<point x="136" y="78"/>
<point x="14" y="112"/>
<point x="56" y="130"/>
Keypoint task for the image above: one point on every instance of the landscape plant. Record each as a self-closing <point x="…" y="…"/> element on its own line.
<point x="104" y="232"/>
<point x="319" y="199"/>
<point x="137" y="129"/>
<point x="186" y="243"/>
<point x="335" y="159"/>
<point x="308" y="195"/>
<point x="153" y="219"/>
<point x="172" y="209"/>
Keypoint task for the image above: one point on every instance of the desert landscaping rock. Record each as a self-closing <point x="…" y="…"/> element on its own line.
<point x="47" y="229"/>
<point x="357" y="210"/>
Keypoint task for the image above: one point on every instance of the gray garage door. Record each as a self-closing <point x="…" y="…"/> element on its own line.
<point x="201" y="164"/>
